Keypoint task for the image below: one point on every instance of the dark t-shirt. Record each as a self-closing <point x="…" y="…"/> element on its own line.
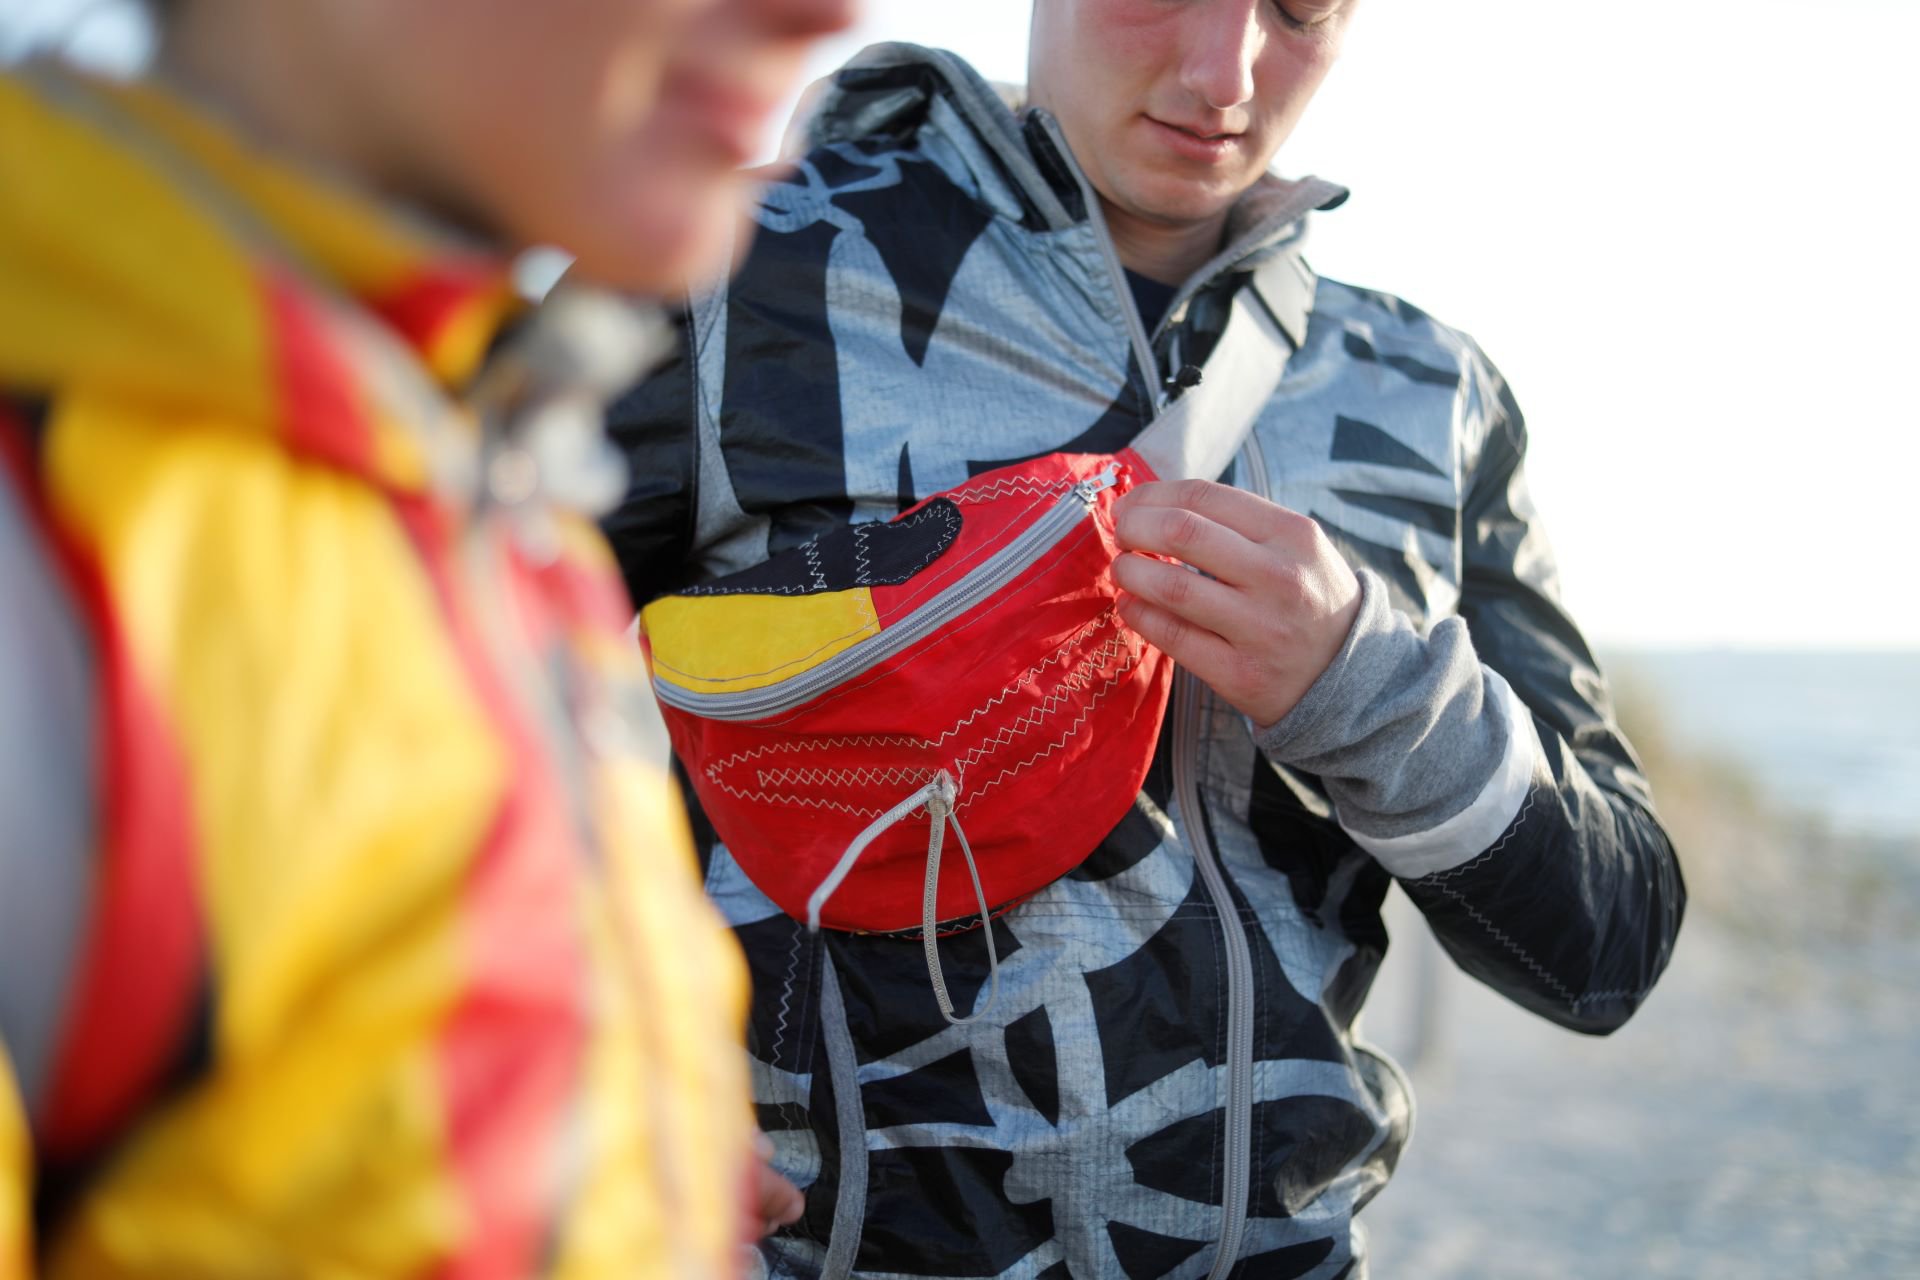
<point x="1150" y="297"/>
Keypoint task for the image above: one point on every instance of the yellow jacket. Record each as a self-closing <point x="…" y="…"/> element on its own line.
<point x="357" y="935"/>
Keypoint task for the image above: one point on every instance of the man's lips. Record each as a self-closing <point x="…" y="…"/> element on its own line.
<point x="1208" y="146"/>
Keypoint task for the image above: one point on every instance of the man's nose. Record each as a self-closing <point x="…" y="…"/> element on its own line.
<point x="1221" y="45"/>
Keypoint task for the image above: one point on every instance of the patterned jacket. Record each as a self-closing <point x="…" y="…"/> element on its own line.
<point x="342" y="929"/>
<point x="1170" y="1083"/>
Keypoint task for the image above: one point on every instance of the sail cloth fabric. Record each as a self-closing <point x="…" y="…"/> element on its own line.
<point x="378" y="951"/>
<point x="824" y="700"/>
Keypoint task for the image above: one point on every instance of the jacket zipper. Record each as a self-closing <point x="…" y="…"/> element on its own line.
<point x="1028" y="548"/>
<point x="1186" y="771"/>
<point x="1253" y="458"/>
<point x="1187" y="695"/>
<point x="1116" y="271"/>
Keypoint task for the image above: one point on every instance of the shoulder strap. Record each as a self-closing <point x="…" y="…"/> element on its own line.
<point x="1199" y="433"/>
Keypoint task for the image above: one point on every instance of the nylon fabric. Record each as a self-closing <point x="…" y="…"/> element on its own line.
<point x="728" y="643"/>
<point x="1079" y="1127"/>
<point x="424" y="979"/>
<point x="16" y="1237"/>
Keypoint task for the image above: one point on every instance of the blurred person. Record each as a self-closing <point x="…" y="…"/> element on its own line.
<point x="1380" y="684"/>
<point x="347" y="927"/>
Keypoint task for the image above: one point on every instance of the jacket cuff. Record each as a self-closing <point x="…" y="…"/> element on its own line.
<point x="1427" y="754"/>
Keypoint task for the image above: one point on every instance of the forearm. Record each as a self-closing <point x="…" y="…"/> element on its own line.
<point x="1557" y="890"/>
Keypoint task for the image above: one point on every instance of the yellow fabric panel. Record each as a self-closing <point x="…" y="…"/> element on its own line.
<point x="665" y="1112"/>
<point x="108" y="273"/>
<point x="353" y="238"/>
<point x="343" y="779"/>
<point x="16" y="1179"/>
<point x="719" y="644"/>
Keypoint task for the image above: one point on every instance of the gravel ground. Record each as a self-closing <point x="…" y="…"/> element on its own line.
<point x="1759" y="1118"/>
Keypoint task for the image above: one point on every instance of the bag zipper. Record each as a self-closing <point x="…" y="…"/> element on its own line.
<point x="1022" y="553"/>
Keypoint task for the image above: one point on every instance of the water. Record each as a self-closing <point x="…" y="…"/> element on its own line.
<point x="1833" y="733"/>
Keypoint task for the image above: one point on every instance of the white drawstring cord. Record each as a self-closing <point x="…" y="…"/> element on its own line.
<point x="938" y="798"/>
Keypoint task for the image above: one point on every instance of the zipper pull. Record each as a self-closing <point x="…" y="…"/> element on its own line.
<point x="1097" y="484"/>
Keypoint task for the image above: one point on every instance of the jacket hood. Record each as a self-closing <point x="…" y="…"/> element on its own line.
<point x="150" y="255"/>
<point x="897" y="90"/>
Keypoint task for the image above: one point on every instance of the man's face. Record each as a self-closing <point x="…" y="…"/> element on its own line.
<point x="613" y="128"/>
<point x="1176" y="107"/>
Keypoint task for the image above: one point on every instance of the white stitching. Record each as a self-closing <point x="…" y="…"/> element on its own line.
<point x="1438" y="881"/>
<point x="812" y="550"/>
<point x="862" y="566"/>
<point x="873" y="775"/>
<point x="1072" y="730"/>
<point x="1076" y="681"/>
<point x="950" y="520"/>
<point x="1008" y="486"/>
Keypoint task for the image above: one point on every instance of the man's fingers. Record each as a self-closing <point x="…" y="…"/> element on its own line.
<point x="1193" y="597"/>
<point x="1250" y="516"/>
<point x="1195" y="648"/>
<point x="1189" y="536"/>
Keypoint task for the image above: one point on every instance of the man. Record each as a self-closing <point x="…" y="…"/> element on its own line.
<point x="343" y="928"/>
<point x="1169" y="1082"/>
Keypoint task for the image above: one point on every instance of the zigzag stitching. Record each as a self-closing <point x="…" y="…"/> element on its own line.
<point x="950" y="518"/>
<point x="793" y="748"/>
<point x="810" y="802"/>
<point x="903" y="740"/>
<point x="1030" y="673"/>
<point x="786" y="997"/>
<point x="862" y="566"/>
<point x="799" y="589"/>
<point x="1072" y="731"/>
<point x="813" y="563"/>
<point x="1438" y="880"/>
<point x="863" y="776"/>
<point x="1025" y="486"/>
<point x="1076" y="681"/>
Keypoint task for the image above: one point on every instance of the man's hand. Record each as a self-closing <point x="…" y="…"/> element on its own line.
<point x="776" y="1202"/>
<point x="1272" y="610"/>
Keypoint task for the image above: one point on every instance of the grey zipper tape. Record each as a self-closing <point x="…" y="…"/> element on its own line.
<point x="1066" y="515"/>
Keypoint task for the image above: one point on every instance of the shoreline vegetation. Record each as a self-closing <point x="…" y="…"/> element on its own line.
<point x="1757" y="1118"/>
<point x="1760" y="866"/>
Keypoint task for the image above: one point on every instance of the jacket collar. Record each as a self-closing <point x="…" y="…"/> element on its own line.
<point x="890" y="90"/>
<point x="166" y="260"/>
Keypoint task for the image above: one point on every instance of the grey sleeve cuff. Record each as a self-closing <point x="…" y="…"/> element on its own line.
<point x="1427" y="754"/>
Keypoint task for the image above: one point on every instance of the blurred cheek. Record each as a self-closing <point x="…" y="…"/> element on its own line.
<point x="661" y="236"/>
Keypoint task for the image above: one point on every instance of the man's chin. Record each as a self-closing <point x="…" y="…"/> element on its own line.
<point x="1175" y="204"/>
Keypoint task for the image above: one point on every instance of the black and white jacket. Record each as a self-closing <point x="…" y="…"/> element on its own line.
<point x="1169" y="1083"/>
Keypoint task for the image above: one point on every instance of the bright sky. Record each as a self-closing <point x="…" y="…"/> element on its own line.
<point x="1687" y="234"/>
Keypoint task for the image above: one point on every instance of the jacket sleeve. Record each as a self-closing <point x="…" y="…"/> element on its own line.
<point x="656" y="427"/>
<point x="1480" y="763"/>
<point x="1573" y="911"/>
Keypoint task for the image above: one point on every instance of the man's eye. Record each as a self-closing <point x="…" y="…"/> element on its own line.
<point x="1302" y="14"/>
